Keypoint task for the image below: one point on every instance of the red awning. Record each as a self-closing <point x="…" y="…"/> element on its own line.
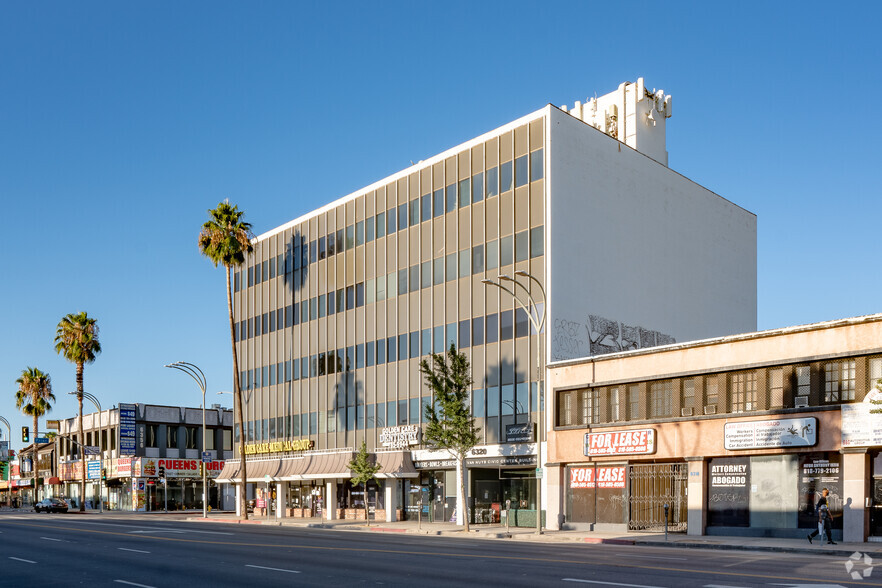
<point x="53" y="480"/>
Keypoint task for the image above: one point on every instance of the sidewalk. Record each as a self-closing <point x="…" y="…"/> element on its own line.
<point x="500" y="532"/>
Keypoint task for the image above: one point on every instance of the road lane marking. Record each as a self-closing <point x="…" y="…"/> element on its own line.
<point x="20" y="559"/>
<point x="608" y="583"/>
<point x="51" y="539"/>
<point x="135" y="550"/>
<point x="133" y="584"/>
<point x="366" y="550"/>
<point x="641" y="556"/>
<point x="273" y="569"/>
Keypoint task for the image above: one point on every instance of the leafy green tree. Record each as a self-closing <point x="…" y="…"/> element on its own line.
<point x="33" y="398"/>
<point x="877" y="403"/>
<point x="365" y="470"/>
<point x="450" y="424"/>
<point x="76" y="339"/>
<point x="225" y="239"/>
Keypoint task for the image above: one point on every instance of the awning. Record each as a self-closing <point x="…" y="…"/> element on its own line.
<point x="229" y="473"/>
<point x="53" y="481"/>
<point x="396" y="464"/>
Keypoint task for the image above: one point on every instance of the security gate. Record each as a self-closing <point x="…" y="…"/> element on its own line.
<point x="653" y="486"/>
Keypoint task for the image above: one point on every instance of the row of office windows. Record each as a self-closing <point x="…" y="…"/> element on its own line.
<point x="188" y="437"/>
<point x="481" y="330"/>
<point x="498" y="253"/>
<point x="443" y="200"/>
<point x="794" y="386"/>
<point x="508" y="400"/>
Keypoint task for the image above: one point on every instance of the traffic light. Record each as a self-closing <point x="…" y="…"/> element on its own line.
<point x="161" y="471"/>
<point x="104" y="473"/>
<point x="25" y="434"/>
<point x="4" y="466"/>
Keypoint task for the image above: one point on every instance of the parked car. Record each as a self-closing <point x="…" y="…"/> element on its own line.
<point x="51" y="505"/>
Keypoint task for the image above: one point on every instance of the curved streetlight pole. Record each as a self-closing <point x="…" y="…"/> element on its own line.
<point x="8" y="466"/>
<point x="194" y="372"/>
<point x="538" y="322"/>
<point x="91" y="398"/>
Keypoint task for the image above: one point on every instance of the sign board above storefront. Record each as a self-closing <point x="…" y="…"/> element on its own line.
<point x="632" y="442"/>
<point x="278" y="447"/>
<point x="765" y="434"/>
<point x="400" y="437"/>
<point x="478" y="462"/>
<point x="520" y="433"/>
<point x="860" y="426"/>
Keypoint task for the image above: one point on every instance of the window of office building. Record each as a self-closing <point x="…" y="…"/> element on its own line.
<point x="743" y="391"/>
<point x="171" y="436"/>
<point x="839" y="381"/>
<point x="660" y="395"/>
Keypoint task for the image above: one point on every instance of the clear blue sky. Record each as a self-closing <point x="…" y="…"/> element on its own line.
<point x="121" y="123"/>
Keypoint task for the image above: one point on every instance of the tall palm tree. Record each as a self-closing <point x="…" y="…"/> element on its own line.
<point x="33" y="397"/>
<point x="76" y="338"/>
<point x="225" y="239"/>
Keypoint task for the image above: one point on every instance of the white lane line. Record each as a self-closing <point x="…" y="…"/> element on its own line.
<point x="273" y="569"/>
<point x="133" y="584"/>
<point x="134" y="550"/>
<point x="20" y="559"/>
<point x="608" y="583"/>
<point x="51" y="539"/>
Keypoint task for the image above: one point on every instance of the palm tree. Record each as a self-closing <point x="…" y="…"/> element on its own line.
<point x="76" y="338"/>
<point x="32" y="398"/>
<point x="225" y="239"/>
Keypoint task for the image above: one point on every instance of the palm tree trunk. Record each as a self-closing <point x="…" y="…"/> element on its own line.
<point x="34" y="463"/>
<point x="82" y="437"/>
<point x="237" y="400"/>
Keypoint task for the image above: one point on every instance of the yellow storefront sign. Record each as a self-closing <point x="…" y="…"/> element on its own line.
<point x="279" y="447"/>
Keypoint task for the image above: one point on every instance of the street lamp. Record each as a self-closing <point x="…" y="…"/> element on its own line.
<point x="91" y="398"/>
<point x="197" y="374"/>
<point x="538" y="322"/>
<point x="9" y="475"/>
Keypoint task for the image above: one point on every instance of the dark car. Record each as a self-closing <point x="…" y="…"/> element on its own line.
<point x="51" y="505"/>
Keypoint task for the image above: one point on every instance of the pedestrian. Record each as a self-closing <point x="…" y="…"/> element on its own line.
<point x="825" y="520"/>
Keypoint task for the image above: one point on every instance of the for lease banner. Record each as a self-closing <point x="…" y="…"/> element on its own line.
<point x="598" y="477"/>
<point x="632" y="442"/>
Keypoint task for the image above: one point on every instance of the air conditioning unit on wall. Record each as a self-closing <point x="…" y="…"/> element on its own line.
<point x="686" y="411"/>
<point x="800" y="402"/>
<point x="710" y="409"/>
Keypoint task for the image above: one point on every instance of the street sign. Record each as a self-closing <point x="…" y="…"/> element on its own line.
<point x="91" y="449"/>
<point x="206" y="457"/>
<point x="42" y="440"/>
<point x="539" y="473"/>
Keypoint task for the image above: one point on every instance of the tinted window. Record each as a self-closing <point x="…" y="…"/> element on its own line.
<point x="506" y="251"/>
<point x="492" y="182"/>
<point x="477" y="259"/>
<point x="478" y="331"/>
<point x="465" y="329"/>
<point x="537" y="242"/>
<point x="402" y="217"/>
<point x="359" y="233"/>
<point x="451" y="267"/>
<point x="438" y="202"/>
<point x="451" y="198"/>
<point x="465" y="193"/>
<point x="426" y="207"/>
<point x="414" y="212"/>
<point x="478" y="187"/>
<point x="522" y="246"/>
<point x="506" y="325"/>
<point x="492" y="330"/>
<point x="537" y="165"/>
<point x="369" y="230"/>
<point x="492" y="257"/>
<point x="391" y="224"/>
<point x="350" y="236"/>
<point x="505" y="177"/>
<point x="522" y="174"/>
<point x="439" y="270"/>
<point x="381" y="225"/>
<point x="322" y="250"/>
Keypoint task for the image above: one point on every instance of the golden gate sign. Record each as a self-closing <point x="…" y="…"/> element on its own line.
<point x="279" y="446"/>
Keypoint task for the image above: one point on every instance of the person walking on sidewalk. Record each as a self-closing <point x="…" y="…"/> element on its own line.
<point x="825" y="520"/>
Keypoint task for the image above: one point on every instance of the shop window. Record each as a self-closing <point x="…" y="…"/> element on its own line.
<point x="839" y="381"/>
<point x="660" y="394"/>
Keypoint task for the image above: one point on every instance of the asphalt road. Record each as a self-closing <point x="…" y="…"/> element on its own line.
<point x="128" y="550"/>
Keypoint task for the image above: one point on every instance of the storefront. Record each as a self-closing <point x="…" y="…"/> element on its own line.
<point x="317" y="484"/>
<point x="497" y="476"/>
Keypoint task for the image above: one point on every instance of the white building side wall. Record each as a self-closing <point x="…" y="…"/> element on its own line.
<point x="638" y="245"/>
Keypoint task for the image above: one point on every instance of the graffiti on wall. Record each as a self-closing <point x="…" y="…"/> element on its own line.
<point x="599" y="335"/>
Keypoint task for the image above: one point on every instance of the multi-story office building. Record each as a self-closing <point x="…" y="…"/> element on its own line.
<point x="335" y="309"/>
